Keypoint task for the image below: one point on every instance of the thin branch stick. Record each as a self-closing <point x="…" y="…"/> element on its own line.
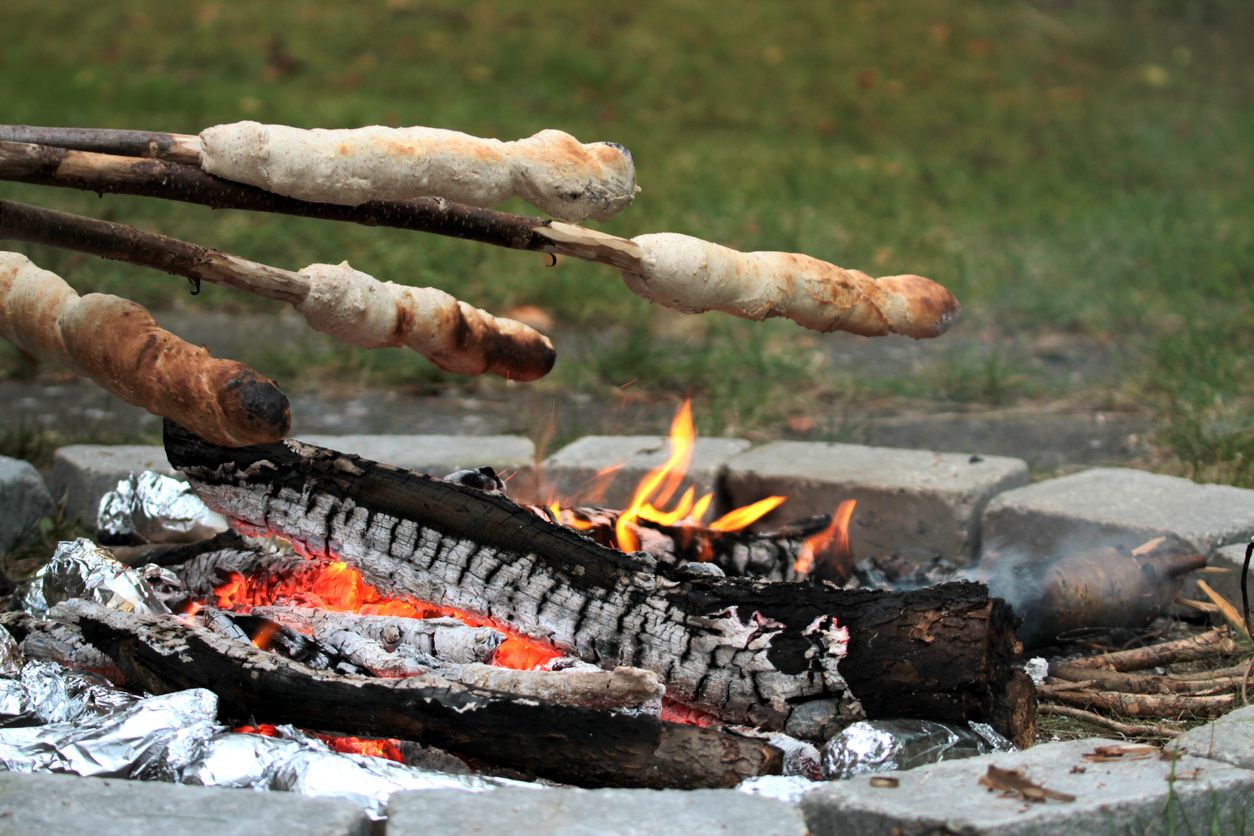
<point x="1142" y="705"/>
<point x="1148" y="729"/>
<point x="179" y="148"/>
<point x="336" y="300"/>
<point x="1139" y="684"/>
<point x="1200" y="646"/>
<point x="1226" y="609"/>
<point x="674" y="270"/>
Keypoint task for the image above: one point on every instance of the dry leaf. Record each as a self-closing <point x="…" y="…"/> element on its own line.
<point x="1013" y="783"/>
<point x="1121" y="751"/>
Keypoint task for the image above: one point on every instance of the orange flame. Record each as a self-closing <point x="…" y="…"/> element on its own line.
<point x="339" y="587"/>
<point x="660" y="485"/>
<point x="832" y="541"/>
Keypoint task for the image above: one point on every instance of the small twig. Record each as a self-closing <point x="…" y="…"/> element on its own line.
<point x="179" y="148"/>
<point x="1226" y="609"/>
<point x="1200" y="646"/>
<point x="1142" y="705"/>
<point x="1138" y="684"/>
<point x="1245" y="589"/>
<point x="1142" y="730"/>
<point x="1245" y="682"/>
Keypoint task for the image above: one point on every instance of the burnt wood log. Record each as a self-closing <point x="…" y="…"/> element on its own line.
<point x="160" y="654"/>
<point x="795" y="657"/>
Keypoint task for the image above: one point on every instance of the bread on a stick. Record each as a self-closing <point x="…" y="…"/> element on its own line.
<point x="551" y="170"/>
<point x="693" y="276"/>
<point x="117" y="344"/>
<point x="359" y="309"/>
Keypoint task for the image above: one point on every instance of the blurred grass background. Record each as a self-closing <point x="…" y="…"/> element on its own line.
<point x="1072" y="171"/>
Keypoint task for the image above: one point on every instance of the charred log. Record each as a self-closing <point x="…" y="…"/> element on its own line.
<point x="575" y="745"/>
<point x="785" y="656"/>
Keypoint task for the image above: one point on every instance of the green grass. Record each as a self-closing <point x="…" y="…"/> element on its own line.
<point x="1077" y="168"/>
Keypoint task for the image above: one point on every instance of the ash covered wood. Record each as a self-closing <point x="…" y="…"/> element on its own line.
<point x="772" y="655"/>
<point x="160" y="654"/>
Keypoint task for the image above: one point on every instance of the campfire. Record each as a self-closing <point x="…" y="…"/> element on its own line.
<point x="395" y="630"/>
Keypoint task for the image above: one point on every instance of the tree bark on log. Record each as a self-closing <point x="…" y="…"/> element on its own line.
<point x="160" y="654"/>
<point x="792" y="657"/>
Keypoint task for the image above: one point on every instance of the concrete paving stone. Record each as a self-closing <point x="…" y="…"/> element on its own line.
<point x="570" y="474"/>
<point x="1128" y="795"/>
<point x="574" y="812"/>
<point x="910" y="501"/>
<point x="1121" y="507"/>
<point x="1229" y="739"/>
<point x="24" y="500"/>
<point x="68" y="805"/>
<point x="82" y="473"/>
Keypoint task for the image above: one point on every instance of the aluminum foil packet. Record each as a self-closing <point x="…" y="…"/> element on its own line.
<point x="11" y="659"/>
<point x="871" y="746"/>
<point x="154" y="739"/>
<point x="46" y="692"/>
<point x="81" y="569"/>
<point x="298" y="763"/>
<point x="155" y="508"/>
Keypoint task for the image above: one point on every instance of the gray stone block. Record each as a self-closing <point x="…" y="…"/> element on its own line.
<point x="570" y="474"/>
<point x="1118" y="506"/>
<point x="911" y="501"/>
<point x="1229" y="739"/>
<point x="82" y="473"/>
<point x="24" y="500"/>
<point x="1121" y="796"/>
<point x="71" y="806"/>
<point x="573" y="812"/>
<point x="436" y="455"/>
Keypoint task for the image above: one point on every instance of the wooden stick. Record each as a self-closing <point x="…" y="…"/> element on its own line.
<point x="453" y="335"/>
<point x="1097" y="719"/>
<point x="677" y="271"/>
<point x="1200" y="646"/>
<point x="179" y="148"/>
<point x="1139" y="684"/>
<point x="1226" y="609"/>
<point x="1142" y="705"/>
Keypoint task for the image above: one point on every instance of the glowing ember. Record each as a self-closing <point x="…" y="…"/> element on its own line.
<point x="832" y="542"/>
<point x="338" y="587"/>
<point x="389" y="748"/>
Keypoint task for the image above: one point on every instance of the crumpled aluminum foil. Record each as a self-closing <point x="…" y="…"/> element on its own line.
<point x="10" y="654"/>
<point x="305" y="765"/>
<point x="153" y="739"/>
<point x="788" y="788"/>
<point x="46" y="692"/>
<point x="156" y="509"/>
<point x="871" y="746"/>
<point x="81" y="569"/>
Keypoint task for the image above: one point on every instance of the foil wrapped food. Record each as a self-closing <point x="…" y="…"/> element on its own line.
<point x="872" y="746"/>
<point x="154" y="738"/>
<point x="153" y="508"/>
<point x="296" y="762"/>
<point x="44" y="692"/>
<point x="81" y="569"/>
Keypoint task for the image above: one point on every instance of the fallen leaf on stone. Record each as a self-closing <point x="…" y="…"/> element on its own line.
<point x="1121" y="751"/>
<point x="1013" y="783"/>
<point x="884" y="781"/>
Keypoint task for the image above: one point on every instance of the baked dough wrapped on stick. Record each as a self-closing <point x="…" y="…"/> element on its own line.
<point x="551" y="170"/>
<point x="117" y="344"/>
<point x="694" y="276"/>
<point x="334" y="299"/>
